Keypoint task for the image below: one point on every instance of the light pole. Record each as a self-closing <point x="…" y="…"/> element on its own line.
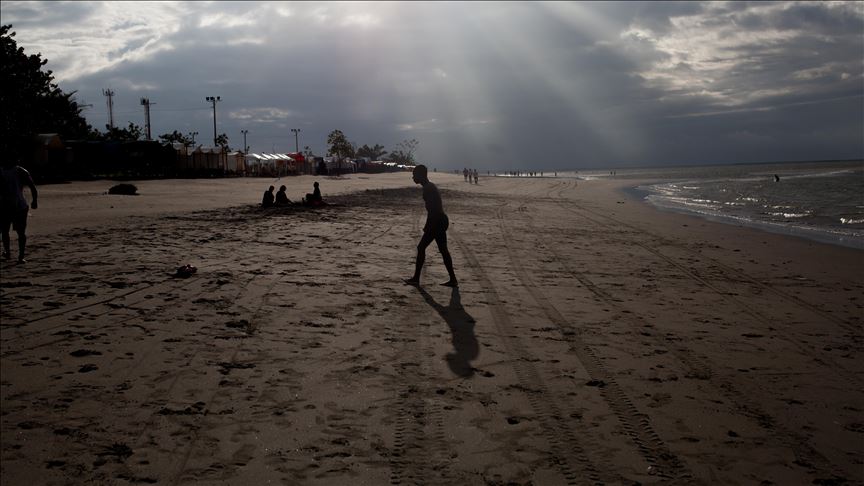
<point x="109" y="93"/>
<point x="245" y="147"/>
<point x="296" y="140"/>
<point x="145" y="102"/>
<point x="214" y="100"/>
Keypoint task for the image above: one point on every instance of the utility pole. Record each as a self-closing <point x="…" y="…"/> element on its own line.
<point x="109" y="93"/>
<point x="296" y="142"/>
<point x="245" y="147"/>
<point x="146" y="103"/>
<point x="214" y="100"/>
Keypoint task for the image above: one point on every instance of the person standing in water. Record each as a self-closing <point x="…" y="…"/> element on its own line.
<point x="434" y="229"/>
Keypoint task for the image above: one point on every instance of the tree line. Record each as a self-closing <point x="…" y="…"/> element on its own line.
<point x="339" y="146"/>
<point x="32" y="103"/>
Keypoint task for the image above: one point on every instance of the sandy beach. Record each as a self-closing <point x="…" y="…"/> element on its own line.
<point x="593" y="340"/>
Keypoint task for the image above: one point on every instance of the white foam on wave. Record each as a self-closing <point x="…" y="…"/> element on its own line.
<point x="791" y="215"/>
<point x="851" y="221"/>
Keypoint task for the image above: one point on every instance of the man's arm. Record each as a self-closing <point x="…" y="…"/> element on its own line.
<point x="434" y="209"/>
<point x="34" y="194"/>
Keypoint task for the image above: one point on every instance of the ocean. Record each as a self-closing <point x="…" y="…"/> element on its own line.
<point x="823" y="201"/>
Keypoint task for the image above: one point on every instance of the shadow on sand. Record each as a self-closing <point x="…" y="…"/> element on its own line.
<point x="465" y="347"/>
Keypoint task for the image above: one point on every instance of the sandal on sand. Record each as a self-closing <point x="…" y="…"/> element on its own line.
<point x="185" y="271"/>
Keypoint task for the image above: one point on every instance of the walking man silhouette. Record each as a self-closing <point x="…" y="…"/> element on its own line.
<point x="435" y="228"/>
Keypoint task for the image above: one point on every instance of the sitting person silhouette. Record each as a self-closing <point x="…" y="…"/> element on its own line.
<point x="314" y="199"/>
<point x="268" y="198"/>
<point x="282" y="198"/>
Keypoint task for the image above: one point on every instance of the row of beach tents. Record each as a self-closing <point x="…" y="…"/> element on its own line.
<point x="51" y="155"/>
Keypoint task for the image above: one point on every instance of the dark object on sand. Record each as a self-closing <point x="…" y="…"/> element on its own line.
<point x="124" y="190"/>
<point x="185" y="271"/>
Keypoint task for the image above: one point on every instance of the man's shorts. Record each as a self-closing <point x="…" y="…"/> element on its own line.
<point x="16" y="217"/>
<point x="442" y="227"/>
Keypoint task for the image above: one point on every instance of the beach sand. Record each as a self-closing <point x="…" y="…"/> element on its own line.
<point x="593" y="339"/>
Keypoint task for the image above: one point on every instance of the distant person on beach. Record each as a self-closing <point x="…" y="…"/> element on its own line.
<point x="476" y="177"/>
<point x="465" y="173"/>
<point x="776" y="178"/>
<point x="267" y="201"/>
<point x="282" y="198"/>
<point x="14" y="207"/>
<point x="314" y="198"/>
<point x="434" y="229"/>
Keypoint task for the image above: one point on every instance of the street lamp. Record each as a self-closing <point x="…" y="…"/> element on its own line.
<point x="245" y="147"/>
<point x="296" y="142"/>
<point x="145" y="102"/>
<point x="214" y="100"/>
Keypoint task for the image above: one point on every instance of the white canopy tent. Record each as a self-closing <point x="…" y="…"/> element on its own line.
<point x="270" y="164"/>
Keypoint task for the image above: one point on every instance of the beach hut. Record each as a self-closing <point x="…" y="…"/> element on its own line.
<point x="48" y="149"/>
<point x="236" y="162"/>
<point x="47" y="156"/>
<point x="208" y="160"/>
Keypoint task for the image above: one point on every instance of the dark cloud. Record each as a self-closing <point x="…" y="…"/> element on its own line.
<point x="501" y="85"/>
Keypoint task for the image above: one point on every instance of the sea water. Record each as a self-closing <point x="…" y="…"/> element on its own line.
<point x="823" y="201"/>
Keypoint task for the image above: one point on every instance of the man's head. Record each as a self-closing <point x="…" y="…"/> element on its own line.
<point x="421" y="174"/>
<point x="316" y="184"/>
<point x="282" y="188"/>
<point x="271" y="188"/>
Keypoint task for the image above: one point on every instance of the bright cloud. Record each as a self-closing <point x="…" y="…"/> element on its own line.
<point x="721" y="52"/>
<point x="261" y="115"/>
<point x="418" y="125"/>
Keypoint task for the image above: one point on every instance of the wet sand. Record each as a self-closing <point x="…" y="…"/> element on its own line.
<point x="592" y="339"/>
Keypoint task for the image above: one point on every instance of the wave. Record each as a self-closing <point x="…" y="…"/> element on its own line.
<point x="793" y="224"/>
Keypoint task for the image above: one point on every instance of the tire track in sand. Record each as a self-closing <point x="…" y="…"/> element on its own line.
<point x="852" y="328"/>
<point x="420" y="451"/>
<point x="636" y="424"/>
<point x="748" y="309"/>
<point x="568" y="454"/>
<point x="698" y="368"/>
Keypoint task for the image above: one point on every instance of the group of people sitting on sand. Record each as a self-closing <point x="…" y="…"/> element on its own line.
<point x="281" y="199"/>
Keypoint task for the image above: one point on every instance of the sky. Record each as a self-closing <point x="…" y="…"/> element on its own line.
<point x="489" y="85"/>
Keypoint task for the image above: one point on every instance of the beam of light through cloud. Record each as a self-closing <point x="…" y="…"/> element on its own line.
<point x="493" y="84"/>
